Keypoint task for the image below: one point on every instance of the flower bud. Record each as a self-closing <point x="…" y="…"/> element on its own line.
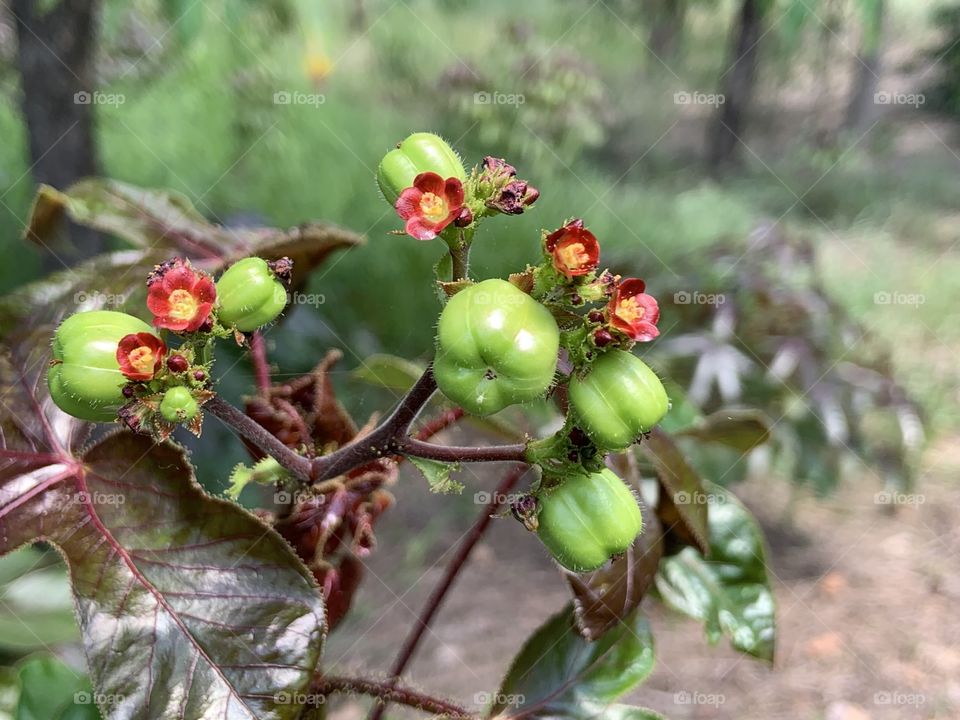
<point x="177" y="364"/>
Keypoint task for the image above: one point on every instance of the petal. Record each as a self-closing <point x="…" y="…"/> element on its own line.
<point x="429" y="182"/>
<point x="644" y="331"/>
<point x="420" y="228"/>
<point x="179" y="277"/>
<point x="453" y="190"/>
<point x="205" y="291"/>
<point x="631" y="287"/>
<point x="408" y="204"/>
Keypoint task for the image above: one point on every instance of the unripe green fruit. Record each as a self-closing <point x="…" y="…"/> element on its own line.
<point x="85" y="380"/>
<point x="618" y="400"/>
<point x="178" y="405"/>
<point x="496" y="346"/>
<point x="249" y="295"/>
<point x="587" y="519"/>
<point x="421" y="152"/>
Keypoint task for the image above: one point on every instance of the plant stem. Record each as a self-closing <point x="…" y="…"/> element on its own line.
<point x="383" y="691"/>
<point x="456" y="564"/>
<point x="453" y="453"/>
<point x="261" y="367"/>
<point x="460" y="257"/>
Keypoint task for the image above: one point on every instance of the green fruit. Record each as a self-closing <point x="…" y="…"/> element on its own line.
<point x="421" y="152"/>
<point x="85" y="380"/>
<point x="178" y="405"/>
<point x="618" y="400"/>
<point x="496" y="346"/>
<point x="249" y="295"/>
<point x="587" y="519"/>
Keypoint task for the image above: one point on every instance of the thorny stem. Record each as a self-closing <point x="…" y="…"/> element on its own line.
<point x="387" y="692"/>
<point x="261" y="367"/>
<point x="456" y="564"/>
<point x="389" y="438"/>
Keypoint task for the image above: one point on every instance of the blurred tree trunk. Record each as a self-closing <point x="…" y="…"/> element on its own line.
<point x="738" y="85"/>
<point x="862" y="109"/>
<point x="55" y="53"/>
<point x="668" y="19"/>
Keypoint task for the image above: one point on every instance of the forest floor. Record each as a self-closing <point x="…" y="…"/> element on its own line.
<point x="867" y="607"/>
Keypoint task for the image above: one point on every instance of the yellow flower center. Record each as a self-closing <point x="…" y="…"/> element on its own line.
<point x="433" y="207"/>
<point x="573" y="256"/>
<point x="183" y="306"/>
<point x="630" y="310"/>
<point x="142" y="359"/>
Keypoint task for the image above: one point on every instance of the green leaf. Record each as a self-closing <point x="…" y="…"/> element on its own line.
<point x="50" y="690"/>
<point x="682" y="505"/>
<point x="389" y="371"/>
<point x="36" y="609"/>
<point x="438" y="475"/>
<point x="742" y="430"/>
<point x="265" y="472"/>
<point x="558" y="674"/>
<point x="213" y="612"/>
<point x="728" y="590"/>
<point x="626" y="712"/>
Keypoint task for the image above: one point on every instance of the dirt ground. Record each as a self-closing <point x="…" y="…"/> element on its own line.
<point x="868" y="604"/>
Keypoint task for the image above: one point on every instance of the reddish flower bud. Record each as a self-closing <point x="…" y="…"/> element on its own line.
<point x="575" y="249"/>
<point x="464" y="218"/>
<point x="430" y="205"/>
<point x="199" y="376"/>
<point x="513" y="198"/>
<point x="177" y="364"/>
<point x="127" y="391"/>
<point x="180" y="297"/>
<point x="633" y="312"/>
<point x="495" y="169"/>
<point x="602" y="337"/>
<point x="595" y="316"/>
<point x="140" y="355"/>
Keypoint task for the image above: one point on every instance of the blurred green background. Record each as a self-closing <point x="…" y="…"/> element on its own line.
<point x="277" y="112"/>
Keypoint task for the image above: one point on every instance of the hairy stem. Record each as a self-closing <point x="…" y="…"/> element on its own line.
<point x="453" y="453"/>
<point x="259" y="436"/>
<point x="460" y="257"/>
<point x="456" y="564"/>
<point x="385" y="692"/>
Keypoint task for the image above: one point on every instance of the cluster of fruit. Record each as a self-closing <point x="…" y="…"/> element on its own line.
<point x="108" y="365"/>
<point x="498" y="344"/>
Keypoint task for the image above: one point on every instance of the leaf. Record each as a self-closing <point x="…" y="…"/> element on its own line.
<point x="603" y="598"/>
<point x="728" y="590"/>
<point x="50" y="690"/>
<point x="742" y="430"/>
<point x="438" y="475"/>
<point x="166" y="221"/>
<point x="626" y="712"/>
<point x="682" y="505"/>
<point x="36" y="609"/>
<point x="389" y="371"/>
<point x="558" y="674"/>
<point x="266" y="471"/>
<point x="171" y="580"/>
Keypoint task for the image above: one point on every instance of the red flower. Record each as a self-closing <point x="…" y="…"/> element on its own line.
<point x="430" y="205"/>
<point x="180" y="297"/>
<point x="575" y="249"/>
<point x="140" y="355"/>
<point x="633" y="312"/>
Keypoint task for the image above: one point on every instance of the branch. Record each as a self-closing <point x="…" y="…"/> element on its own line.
<point x="391" y="693"/>
<point x="261" y="367"/>
<point x="453" y="569"/>
<point x="259" y="436"/>
<point x="454" y="453"/>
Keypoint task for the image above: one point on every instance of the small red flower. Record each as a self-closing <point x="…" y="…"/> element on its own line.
<point x="575" y="249"/>
<point x="430" y="205"/>
<point x="140" y="355"/>
<point x="633" y="312"/>
<point x="180" y="297"/>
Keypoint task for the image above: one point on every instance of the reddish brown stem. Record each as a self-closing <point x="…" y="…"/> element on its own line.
<point x="456" y="564"/>
<point x="261" y="366"/>
<point x="387" y="692"/>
